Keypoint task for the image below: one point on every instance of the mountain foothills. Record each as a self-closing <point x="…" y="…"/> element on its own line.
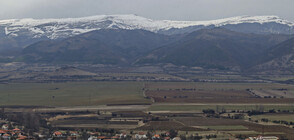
<point x="278" y="58"/>
<point x="242" y="43"/>
<point x="102" y="46"/>
<point x="219" y="48"/>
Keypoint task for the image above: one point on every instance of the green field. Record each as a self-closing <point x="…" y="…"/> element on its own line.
<point x="219" y="107"/>
<point x="71" y="93"/>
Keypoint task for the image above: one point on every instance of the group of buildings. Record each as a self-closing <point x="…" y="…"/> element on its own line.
<point x="8" y="133"/>
<point x="73" y="135"/>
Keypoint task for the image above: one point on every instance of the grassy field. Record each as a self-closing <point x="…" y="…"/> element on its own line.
<point x="219" y="107"/>
<point x="71" y="93"/>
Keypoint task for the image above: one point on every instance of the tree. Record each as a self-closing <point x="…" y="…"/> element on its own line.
<point x="2" y="113"/>
<point x="173" y="133"/>
<point x="208" y="111"/>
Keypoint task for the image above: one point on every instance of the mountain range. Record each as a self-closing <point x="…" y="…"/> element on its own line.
<point x="112" y="46"/>
<point x="15" y="33"/>
<point x="240" y="43"/>
<point x="216" y="47"/>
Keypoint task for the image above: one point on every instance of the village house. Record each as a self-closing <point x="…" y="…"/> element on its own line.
<point x="156" y="137"/>
<point x="21" y="137"/>
<point x="166" y="138"/>
<point x="74" y="133"/>
<point x="140" y="135"/>
<point x="101" y="137"/>
<point x="123" y="135"/>
<point x="16" y="130"/>
<point x="57" y="134"/>
<point x="176" y="138"/>
<point x="2" y="132"/>
<point x="6" y="136"/>
<point x="92" y="138"/>
<point x="5" y="126"/>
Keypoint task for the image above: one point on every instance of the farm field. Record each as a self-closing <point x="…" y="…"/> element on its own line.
<point x="209" y="92"/>
<point x="71" y="93"/>
<point x="214" y="76"/>
<point x="233" y="125"/>
<point x="226" y="127"/>
<point x="214" y="86"/>
<point x="200" y="107"/>
<point x="151" y="75"/>
<point x="127" y="92"/>
<point x="276" y="77"/>
<point x="272" y="117"/>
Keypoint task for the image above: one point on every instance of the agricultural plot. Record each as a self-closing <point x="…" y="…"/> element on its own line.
<point x="71" y="93"/>
<point x="167" y="125"/>
<point x="274" y="93"/>
<point x="219" y="107"/>
<point x="142" y="76"/>
<point x="214" y="76"/>
<point x="227" y="127"/>
<point x="214" y="86"/>
<point x="276" y="77"/>
<point x="199" y="92"/>
<point x="273" y="117"/>
<point x="101" y="93"/>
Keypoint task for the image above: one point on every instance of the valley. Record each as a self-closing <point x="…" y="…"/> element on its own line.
<point x="112" y="100"/>
<point x="129" y="77"/>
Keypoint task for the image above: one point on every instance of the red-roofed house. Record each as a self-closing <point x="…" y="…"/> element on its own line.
<point x="156" y="137"/>
<point x="57" y="134"/>
<point x="2" y="132"/>
<point x="6" y="136"/>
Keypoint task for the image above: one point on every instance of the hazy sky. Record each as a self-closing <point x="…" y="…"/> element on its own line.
<point x="154" y="9"/>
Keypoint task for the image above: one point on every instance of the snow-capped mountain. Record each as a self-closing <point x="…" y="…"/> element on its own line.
<point x="66" y="27"/>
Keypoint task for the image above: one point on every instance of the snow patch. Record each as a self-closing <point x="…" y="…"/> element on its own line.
<point x="65" y="27"/>
<point x="6" y="31"/>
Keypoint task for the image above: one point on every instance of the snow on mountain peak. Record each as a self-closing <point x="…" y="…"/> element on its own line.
<point x="65" y="27"/>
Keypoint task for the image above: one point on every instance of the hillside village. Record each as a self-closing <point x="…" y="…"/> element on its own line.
<point x="9" y="132"/>
<point x="67" y="126"/>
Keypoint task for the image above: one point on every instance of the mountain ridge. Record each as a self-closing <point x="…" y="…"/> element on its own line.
<point x="208" y="48"/>
<point x="216" y="47"/>
<point x="101" y="46"/>
<point x="56" y="28"/>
